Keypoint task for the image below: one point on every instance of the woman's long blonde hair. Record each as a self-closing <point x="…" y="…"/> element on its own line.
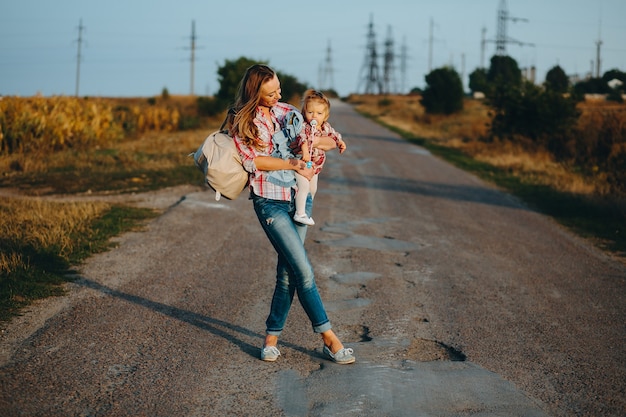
<point x="241" y="116"/>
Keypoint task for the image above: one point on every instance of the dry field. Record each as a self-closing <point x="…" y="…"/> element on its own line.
<point x="468" y="130"/>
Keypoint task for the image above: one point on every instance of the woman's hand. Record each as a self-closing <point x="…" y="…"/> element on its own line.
<point x="300" y="167"/>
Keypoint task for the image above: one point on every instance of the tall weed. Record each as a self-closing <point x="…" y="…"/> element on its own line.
<point x="47" y="124"/>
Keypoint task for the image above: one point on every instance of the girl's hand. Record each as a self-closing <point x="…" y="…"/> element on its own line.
<point x="325" y="143"/>
<point x="341" y="145"/>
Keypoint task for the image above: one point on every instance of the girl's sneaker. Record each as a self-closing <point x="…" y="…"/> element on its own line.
<point x="304" y="219"/>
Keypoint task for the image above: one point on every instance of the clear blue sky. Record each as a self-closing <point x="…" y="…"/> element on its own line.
<point x="138" y="47"/>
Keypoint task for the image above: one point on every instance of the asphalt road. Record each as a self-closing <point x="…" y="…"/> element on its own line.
<point x="457" y="299"/>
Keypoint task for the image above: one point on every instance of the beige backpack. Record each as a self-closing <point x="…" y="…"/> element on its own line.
<point x="220" y="163"/>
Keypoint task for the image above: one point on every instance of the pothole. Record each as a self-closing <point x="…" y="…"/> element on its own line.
<point x="424" y="350"/>
<point x="373" y="243"/>
<point x="356" y="333"/>
<point x="354" y="277"/>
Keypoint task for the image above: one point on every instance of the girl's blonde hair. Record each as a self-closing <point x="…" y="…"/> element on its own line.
<point x="314" y="96"/>
<point x="240" y="119"/>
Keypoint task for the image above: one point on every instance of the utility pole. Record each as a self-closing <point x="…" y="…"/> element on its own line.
<point x="598" y="61"/>
<point x="78" y="55"/>
<point x="431" y="42"/>
<point x="483" y="41"/>
<point x="327" y="82"/>
<point x="430" y="46"/>
<point x="598" y="45"/>
<point x="193" y="54"/>
<point x="463" y="71"/>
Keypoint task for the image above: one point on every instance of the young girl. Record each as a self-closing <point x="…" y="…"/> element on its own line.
<point x="316" y="110"/>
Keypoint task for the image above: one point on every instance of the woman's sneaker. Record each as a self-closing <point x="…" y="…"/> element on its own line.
<point x="343" y="356"/>
<point x="269" y="353"/>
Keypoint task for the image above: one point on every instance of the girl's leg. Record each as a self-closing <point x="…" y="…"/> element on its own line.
<point x="301" y="196"/>
<point x="313" y="185"/>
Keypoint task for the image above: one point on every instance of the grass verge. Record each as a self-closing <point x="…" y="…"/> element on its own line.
<point x="40" y="241"/>
<point x="594" y="218"/>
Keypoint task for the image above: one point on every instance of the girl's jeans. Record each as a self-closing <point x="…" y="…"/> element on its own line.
<point x="294" y="272"/>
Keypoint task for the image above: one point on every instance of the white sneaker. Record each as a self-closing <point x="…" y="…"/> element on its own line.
<point x="269" y="353"/>
<point x="304" y="219"/>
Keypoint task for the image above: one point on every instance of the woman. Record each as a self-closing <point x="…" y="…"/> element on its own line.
<point x="258" y="114"/>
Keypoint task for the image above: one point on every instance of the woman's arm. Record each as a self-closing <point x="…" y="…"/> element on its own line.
<point x="269" y="163"/>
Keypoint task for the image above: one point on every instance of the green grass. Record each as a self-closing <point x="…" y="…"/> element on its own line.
<point x="36" y="270"/>
<point x="46" y="268"/>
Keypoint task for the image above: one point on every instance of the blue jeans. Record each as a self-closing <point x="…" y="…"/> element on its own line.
<point x="294" y="272"/>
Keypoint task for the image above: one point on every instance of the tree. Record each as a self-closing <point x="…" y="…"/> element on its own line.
<point x="444" y="92"/>
<point x="617" y="89"/>
<point x="504" y="70"/>
<point x="520" y="109"/>
<point x="556" y="80"/>
<point x="591" y="86"/>
<point x="290" y="86"/>
<point x="615" y="74"/>
<point x="478" y="81"/>
<point x="229" y="75"/>
<point x="505" y="81"/>
<point x="546" y="117"/>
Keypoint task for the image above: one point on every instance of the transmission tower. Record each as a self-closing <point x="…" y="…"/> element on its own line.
<point x="501" y="37"/>
<point x="371" y="78"/>
<point x="78" y="54"/>
<point x="403" y="59"/>
<point x="326" y="73"/>
<point x="389" y="78"/>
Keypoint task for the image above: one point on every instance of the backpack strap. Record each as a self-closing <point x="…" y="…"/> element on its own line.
<point x="231" y="112"/>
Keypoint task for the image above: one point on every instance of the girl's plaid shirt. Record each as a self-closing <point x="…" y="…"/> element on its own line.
<point x="318" y="156"/>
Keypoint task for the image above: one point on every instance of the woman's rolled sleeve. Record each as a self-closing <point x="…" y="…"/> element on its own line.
<point x="247" y="155"/>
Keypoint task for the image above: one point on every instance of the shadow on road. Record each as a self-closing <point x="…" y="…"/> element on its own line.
<point x="481" y="195"/>
<point x="203" y="322"/>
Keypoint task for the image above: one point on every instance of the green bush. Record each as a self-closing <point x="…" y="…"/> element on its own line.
<point x="444" y="92"/>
